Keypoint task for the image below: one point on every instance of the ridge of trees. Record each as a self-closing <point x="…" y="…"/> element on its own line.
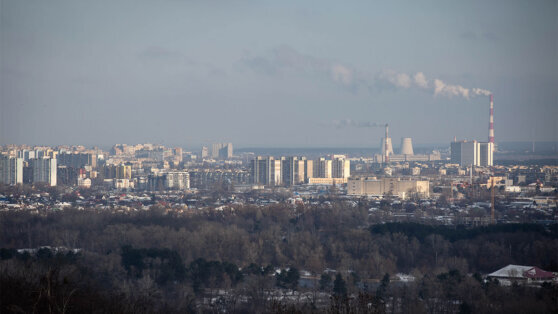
<point x="455" y="233"/>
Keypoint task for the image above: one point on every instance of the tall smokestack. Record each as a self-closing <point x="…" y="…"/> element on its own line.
<point x="386" y="145"/>
<point x="491" y="122"/>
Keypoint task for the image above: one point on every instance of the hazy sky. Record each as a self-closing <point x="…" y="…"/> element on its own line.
<point x="276" y="73"/>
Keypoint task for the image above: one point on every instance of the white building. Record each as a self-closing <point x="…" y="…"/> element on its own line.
<point x="293" y="170"/>
<point x="384" y="186"/>
<point x="11" y="170"/>
<point x="323" y="168"/>
<point x="84" y="182"/>
<point x="472" y="153"/>
<point x="340" y="168"/>
<point x="222" y="150"/>
<point x="522" y="274"/>
<point x="266" y="171"/>
<point x="44" y="170"/>
<point x="177" y="180"/>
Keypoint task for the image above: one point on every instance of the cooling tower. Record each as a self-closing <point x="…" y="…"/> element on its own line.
<point x="389" y="146"/>
<point x="406" y="146"/>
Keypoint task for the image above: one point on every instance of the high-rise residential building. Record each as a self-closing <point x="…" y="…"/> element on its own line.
<point x="472" y="153"/>
<point x="177" y="154"/>
<point x="341" y="168"/>
<point x="44" y="170"/>
<point x="204" y="152"/>
<point x="222" y="150"/>
<point x="26" y="154"/>
<point x="455" y="150"/>
<point x="77" y="160"/>
<point x="293" y="170"/>
<point x="11" y="170"/>
<point x="308" y="169"/>
<point x="267" y="171"/>
<point x="123" y="172"/>
<point x="215" y="150"/>
<point x="174" y="180"/>
<point x="258" y="170"/>
<point x="322" y="168"/>
<point x="486" y="154"/>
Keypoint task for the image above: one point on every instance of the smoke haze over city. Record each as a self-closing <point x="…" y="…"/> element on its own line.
<point x="275" y="74"/>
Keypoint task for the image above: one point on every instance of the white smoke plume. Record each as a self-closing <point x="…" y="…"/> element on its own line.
<point x="481" y="92"/>
<point x="397" y="79"/>
<point x="345" y="123"/>
<point x="436" y="86"/>
<point x="341" y="74"/>
<point x="286" y="59"/>
<point x="420" y="80"/>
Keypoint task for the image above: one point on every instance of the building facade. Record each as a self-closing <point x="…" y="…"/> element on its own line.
<point x="472" y="153"/>
<point x="222" y="151"/>
<point x="44" y="170"/>
<point x="11" y="170"/>
<point x="387" y="186"/>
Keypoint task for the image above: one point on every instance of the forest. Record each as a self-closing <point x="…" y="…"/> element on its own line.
<point x="239" y="260"/>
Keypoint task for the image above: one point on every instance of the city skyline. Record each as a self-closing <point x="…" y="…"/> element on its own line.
<point x="275" y="74"/>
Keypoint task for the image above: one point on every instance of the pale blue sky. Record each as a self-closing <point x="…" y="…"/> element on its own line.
<point x="275" y="73"/>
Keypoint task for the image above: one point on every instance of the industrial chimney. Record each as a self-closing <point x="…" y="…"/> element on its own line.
<point x="491" y="122"/>
<point x="385" y="145"/>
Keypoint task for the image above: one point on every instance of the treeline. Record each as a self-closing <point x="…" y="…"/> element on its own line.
<point x="163" y="258"/>
<point x="52" y="282"/>
<point x="311" y="239"/>
<point x="460" y="232"/>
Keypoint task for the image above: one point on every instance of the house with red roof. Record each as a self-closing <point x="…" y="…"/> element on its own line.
<point x="522" y="275"/>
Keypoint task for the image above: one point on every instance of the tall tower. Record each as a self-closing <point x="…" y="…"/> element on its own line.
<point x="386" y="145"/>
<point x="491" y="122"/>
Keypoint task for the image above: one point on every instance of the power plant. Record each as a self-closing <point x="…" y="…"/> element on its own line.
<point x="386" y="146"/>
<point x="406" y="146"/>
<point x="463" y="152"/>
<point x="473" y="153"/>
<point x="406" y="152"/>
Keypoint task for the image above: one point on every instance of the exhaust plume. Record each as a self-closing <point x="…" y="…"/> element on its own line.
<point x="286" y="59"/>
<point x="436" y="86"/>
<point x="345" y="123"/>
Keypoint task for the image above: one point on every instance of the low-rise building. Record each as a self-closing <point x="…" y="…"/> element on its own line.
<point x="522" y="275"/>
<point x="394" y="186"/>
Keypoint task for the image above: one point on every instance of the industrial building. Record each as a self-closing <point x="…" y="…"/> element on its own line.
<point x="402" y="188"/>
<point x="406" y="152"/>
<point x="472" y="153"/>
<point x="406" y="146"/>
<point x="386" y="145"/>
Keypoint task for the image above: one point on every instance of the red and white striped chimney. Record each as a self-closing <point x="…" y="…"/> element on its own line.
<point x="491" y="121"/>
